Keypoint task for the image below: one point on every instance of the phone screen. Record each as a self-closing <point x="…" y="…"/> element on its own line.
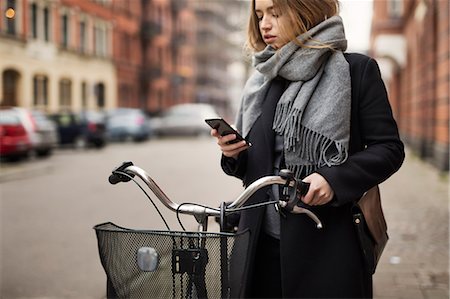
<point x="224" y="128"/>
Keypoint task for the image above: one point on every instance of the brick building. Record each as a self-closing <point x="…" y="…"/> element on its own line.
<point x="411" y="41"/>
<point x="189" y="50"/>
<point x="56" y="55"/>
<point x="168" y="41"/>
<point x="101" y="54"/>
<point x="127" y="50"/>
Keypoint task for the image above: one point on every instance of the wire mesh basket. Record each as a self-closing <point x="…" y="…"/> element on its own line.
<point x="168" y="264"/>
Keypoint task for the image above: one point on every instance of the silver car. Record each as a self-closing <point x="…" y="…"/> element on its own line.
<point x="41" y="131"/>
<point x="128" y="124"/>
<point x="184" y="120"/>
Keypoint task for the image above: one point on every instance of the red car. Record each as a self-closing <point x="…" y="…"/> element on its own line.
<point x="14" y="140"/>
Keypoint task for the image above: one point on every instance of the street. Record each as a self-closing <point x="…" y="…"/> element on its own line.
<point x="49" y="248"/>
<point x="48" y="209"/>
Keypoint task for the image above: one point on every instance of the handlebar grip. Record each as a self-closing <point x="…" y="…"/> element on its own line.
<point x="114" y="179"/>
<point x="303" y="188"/>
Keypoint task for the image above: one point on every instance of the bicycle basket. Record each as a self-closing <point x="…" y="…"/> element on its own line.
<point x="167" y="264"/>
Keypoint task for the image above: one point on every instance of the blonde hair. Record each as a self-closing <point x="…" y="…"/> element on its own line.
<point x="303" y="15"/>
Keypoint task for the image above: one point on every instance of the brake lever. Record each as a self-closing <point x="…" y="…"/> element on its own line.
<point x="300" y="210"/>
<point x="292" y="202"/>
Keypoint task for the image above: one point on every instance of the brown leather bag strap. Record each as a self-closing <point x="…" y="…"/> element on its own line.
<point x="370" y="205"/>
<point x="371" y="226"/>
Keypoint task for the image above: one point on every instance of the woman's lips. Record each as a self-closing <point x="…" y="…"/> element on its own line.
<point x="269" y="38"/>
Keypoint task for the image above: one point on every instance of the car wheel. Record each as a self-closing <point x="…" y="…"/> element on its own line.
<point x="99" y="144"/>
<point x="44" y="152"/>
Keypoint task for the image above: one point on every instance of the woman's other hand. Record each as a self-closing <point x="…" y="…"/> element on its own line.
<point x="319" y="192"/>
<point x="230" y="150"/>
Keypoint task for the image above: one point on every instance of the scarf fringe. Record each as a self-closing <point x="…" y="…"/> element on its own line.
<point x="280" y="117"/>
<point x="315" y="149"/>
<point x="300" y="171"/>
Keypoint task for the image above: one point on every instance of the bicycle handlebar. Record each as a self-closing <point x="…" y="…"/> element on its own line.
<point x="185" y="208"/>
<point x="192" y="209"/>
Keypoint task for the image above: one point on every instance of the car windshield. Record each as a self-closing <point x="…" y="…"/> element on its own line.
<point x="64" y="120"/>
<point x="9" y="118"/>
<point x="193" y="111"/>
<point x="40" y="117"/>
<point x="94" y="116"/>
<point x="123" y="118"/>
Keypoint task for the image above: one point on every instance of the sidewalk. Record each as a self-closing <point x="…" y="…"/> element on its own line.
<point x="415" y="263"/>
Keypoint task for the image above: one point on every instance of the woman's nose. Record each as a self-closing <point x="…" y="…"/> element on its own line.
<point x="265" y="23"/>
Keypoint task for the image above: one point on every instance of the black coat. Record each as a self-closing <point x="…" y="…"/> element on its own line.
<point x="327" y="263"/>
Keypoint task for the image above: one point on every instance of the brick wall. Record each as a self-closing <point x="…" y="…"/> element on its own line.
<point x="442" y="81"/>
<point x="419" y="90"/>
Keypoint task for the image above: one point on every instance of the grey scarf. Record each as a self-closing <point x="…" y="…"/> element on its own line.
<point x="313" y="114"/>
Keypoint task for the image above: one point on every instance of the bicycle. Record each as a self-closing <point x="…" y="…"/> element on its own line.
<point x="184" y="264"/>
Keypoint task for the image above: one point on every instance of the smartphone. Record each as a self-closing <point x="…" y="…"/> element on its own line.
<point x="225" y="128"/>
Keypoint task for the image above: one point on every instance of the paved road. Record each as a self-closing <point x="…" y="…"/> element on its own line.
<point x="48" y="209"/>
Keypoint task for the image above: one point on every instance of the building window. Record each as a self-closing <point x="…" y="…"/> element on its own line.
<point x="101" y="40"/>
<point x="100" y="94"/>
<point x="83" y="37"/>
<point x="65" y="30"/>
<point x="39" y="22"/>
<point x="65" y="93"/>
<point x="34" y="20"/>
<point x="395" y="8"/>
<point x="84" y="101"/>
<point x="40" y="91"/>
<point x="10" y="80"/>
<point x="11" y="21"/>
<point x="46" y="24"/>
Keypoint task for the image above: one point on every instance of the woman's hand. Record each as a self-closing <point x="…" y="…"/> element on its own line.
<point x="231" y="150"/>
<point x="319" y="192"/>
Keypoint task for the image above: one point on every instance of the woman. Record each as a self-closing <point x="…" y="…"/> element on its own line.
<point x="325" y="115"/>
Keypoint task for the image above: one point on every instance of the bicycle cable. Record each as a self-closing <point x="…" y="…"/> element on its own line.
<point x="257" y="205"/>
<point x="146" y="194"/>
<point x="215" y="209"/>
<point x="190" y="203"/>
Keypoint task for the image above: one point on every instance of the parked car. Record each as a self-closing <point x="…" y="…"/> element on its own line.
<point x="184" y="120"/>
<point x="14" y="139"/>
<point x="81" y="130"/>
<point x="41" y="131"/>
<point x="128" y="124"/>
<point x="47" y="133"/>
